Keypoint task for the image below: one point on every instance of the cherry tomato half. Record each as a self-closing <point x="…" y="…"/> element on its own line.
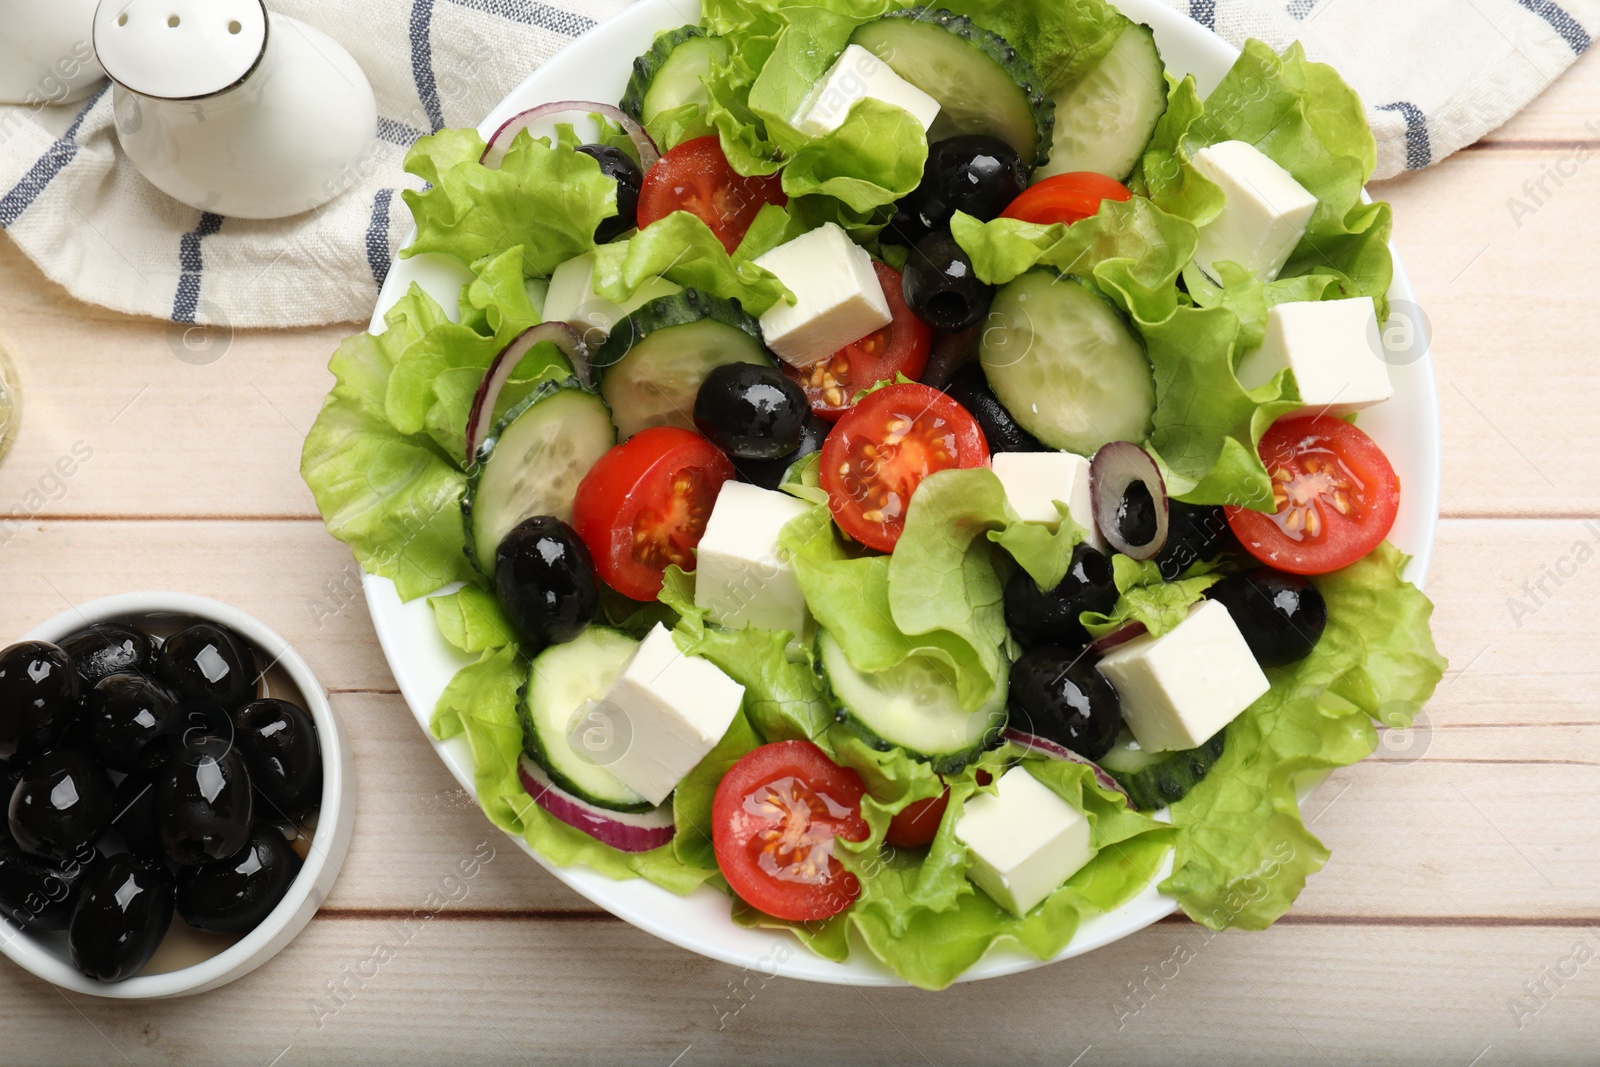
<point x="1065" y="197"/>
<point x="1336" y="496"/>
<point x="773" y="821"/>
<point x="899" y="348"/>
<point x="916" y="824"/>
<point x="696" y="177"/>
<point x="878" y="454"/>
<point x="645" y="505"/>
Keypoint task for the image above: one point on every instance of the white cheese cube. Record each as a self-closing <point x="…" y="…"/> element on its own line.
<point x="675" y="707"/>
<point x="1034" y="481"/>
<point x="1334" y="350"/>
<point x="856" y="75"/>
<point x="1264" y="213"/>
<point x="572" y="299"/>
<point x="1022" y="841"/>
<point x="1179" y="689"/>
<point x="742" y="578"/>
<point x="837" y="296"/>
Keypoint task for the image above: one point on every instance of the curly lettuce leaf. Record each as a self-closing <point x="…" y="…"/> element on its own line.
<point x="544" y="197"/>
<point x="1243" y="853"/>
<point x="681" y="248"/>
<point x="869" y="162"/>
<point x="1145" y="597"/>
<point x="471" y="620"/>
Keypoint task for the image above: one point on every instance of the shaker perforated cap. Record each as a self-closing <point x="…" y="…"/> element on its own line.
<point x="179" y="49"/>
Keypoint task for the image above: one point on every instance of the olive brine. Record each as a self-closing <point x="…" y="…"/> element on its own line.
<point x="145" y="779"/>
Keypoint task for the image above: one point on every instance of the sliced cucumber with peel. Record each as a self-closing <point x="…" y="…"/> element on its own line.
<point x="981" y="83"/>
<point x="564" y="684"/>
<point x="1154" y="780"/>
<point x="670" y="74"/>
<point x="1063" y="361"/>
<point x="652" y="364"/>
<point x="913" y="705"/>
<point x="1105" y="118"/>
<point x="531" y="464"/>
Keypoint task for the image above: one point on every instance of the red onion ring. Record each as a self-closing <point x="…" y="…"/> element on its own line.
<point x="500" y="370"/>
<point x="1113" y="469"/>
<point x="1046" y="747"/>
<point x="1120" y="636"/>
<point x="500" y="143"/>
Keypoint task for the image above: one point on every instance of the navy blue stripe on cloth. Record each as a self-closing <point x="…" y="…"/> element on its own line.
<point x="1299" y="9"/>
<point x="422" y="61"/>
<point x="191" y="263"/>
<point x="534" y="14"/>
<point x="1564" y="24"/>
<point x="1204" y="12"/>
<point x="395" y="132"/>
<point x="378" y="254"/>
<point x="43" y="172"/>
<point x="1419" y="153"/>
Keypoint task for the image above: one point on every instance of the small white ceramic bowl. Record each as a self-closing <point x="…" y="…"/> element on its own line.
<point x="46" y="955"/>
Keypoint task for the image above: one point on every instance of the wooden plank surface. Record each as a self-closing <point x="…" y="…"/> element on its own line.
<point x="1465" y="857"/>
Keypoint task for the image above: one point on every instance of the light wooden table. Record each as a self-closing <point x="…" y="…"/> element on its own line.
<point x="1465" y="870"/>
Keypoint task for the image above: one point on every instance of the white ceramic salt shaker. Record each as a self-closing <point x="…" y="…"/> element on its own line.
<point x="232" y="109"/>
<point x="46" y="55"/>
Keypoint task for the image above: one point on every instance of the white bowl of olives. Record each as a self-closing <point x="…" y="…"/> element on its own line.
<point x="179" y="796"/>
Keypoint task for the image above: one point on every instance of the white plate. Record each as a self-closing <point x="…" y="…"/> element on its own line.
<point x="596" y="67"/>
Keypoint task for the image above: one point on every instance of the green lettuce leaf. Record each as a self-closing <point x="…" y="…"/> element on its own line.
<point x="1243" y="852"/>
<point x="544" y="197"/>
<point x="682" y="249"/>
<point x="1146" y="598"/>
<point x="471" y="620"/>
<point x="872" y="160"/>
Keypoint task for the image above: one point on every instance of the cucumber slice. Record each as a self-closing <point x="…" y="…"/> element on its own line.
<point x="913" y="706"/>
<point x="531" y="464"/>
<point x="1105" y="118"/>
<point x="655" y="359"/>
<point x="1063" y="362"/>
<point x="981" y="83"/>
<point x="1156" y="779"/>
<point x="668" y="75"/>
<point x="562" y="681"/>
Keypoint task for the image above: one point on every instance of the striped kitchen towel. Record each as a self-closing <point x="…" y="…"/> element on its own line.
<point x="1437" y="75"/>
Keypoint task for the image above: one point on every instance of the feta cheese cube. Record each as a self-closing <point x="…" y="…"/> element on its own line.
<point x="837" y="296"/>
<point x="1264" y="212"/>
<point x="856" y="75"/>
<point x="742" y="578"/>
<point x="1179" y="689"/>
<point x="1022" y="841"/>
<point x="1034" y="481"/>
<point x="572" y="299"/>
<point x="1334" y="350"/>
<point x="676" y="708"/>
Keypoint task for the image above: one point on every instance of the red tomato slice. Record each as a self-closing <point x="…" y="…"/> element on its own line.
<point x="1336" y="496"/>
<point x="878" y="454"/>
<point x="695" y="177"/>
<point x="916" y="824"/>
<point x="1065" y="197"/>
<point x="899" y="348"/>
<point x="773" y="821"/>
<point x="645" y="505"/>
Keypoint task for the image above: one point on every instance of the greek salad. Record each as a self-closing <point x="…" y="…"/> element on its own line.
<point x="892" y="457"/>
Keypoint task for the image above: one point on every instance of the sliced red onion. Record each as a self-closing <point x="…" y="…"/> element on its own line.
<point x="1120" y="636"/>
<point x="1046" y="747"/>
<point x="623" y="831"/>
<point x="559" y="334"/>
<point x="1114" y="470"/>
<point x="500" y="143"/>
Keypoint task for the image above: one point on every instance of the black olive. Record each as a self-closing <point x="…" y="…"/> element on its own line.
<point x="1050" y="617"/>
<point x="108" y="648"/>
<point x="207" y="662"/>
<point x="280" y="748"/>
<point x="39" y="693"/>
<point x="769" y="473"/>
<point x="751" y="411"/>
<point x="1280" y="615"/>
<point x="1057" y="694"/>
<point x="970" y="389"/>
<point x="545" y="581"/>
<point x="131" y="721"/>
<point x="123" y="912"/>
<point x="63" y="802"/>
<point x="135" y="819"/>
<point x="232" y="896"/>
<point x="973" y="173"/>
<point x="36" y="893"/>
<point x="1136" y="517"/>
<point x="204" y="802"/>
<point x="1195" y="533"/>
<point x="618" y="166"/>
<point x="940" y="287"/>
